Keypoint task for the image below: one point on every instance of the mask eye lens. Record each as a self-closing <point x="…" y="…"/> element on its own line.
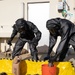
<point x="52" y="31"/>
<point x="21" y="29"/>
<point x="23" y="23"/>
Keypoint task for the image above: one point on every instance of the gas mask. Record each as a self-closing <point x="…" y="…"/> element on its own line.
<point x="20" y="25"/>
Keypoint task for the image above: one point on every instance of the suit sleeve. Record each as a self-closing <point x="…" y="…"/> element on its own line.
<point x="37" y="33"/>
<point x="52" y="41"/>
<point x="14" y="32"/>
<point x="64" y="37"/>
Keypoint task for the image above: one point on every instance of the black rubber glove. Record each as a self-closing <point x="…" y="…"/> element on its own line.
<point x="47" y="57"/>
<point x="52" y="58"/>
<point x="9" y="42"/>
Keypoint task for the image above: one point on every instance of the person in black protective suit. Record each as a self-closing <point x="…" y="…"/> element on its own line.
<point x="28" y="33"/>
<point x="66" y="30"/>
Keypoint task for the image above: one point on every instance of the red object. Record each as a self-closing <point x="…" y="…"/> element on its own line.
<point x="47" y="70"/>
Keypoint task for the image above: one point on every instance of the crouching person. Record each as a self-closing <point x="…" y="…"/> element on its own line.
<point x="28" y="33"/>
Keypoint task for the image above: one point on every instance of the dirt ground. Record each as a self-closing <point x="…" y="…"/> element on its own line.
<point x="69" y="56"/>
<point x="40" y="55"/>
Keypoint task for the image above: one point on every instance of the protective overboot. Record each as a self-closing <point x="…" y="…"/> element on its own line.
<point x="35" y="57"/>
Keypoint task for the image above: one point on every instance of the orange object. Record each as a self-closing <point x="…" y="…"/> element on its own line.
<point x="48" y="70"/>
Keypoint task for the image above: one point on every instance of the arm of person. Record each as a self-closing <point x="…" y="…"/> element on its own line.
<point x="37" y="34"/>
<point x="52" y="42"/>
<point x="64" y="38"/>
<point x="14" y="32"/>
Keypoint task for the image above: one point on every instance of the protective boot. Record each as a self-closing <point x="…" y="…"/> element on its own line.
<point x="35" y="57"/>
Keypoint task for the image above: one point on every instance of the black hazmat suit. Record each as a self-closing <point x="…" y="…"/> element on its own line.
<point x="66" y="30"/>
<point x="28" y="33"/>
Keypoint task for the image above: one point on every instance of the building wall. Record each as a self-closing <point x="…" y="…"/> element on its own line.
<point x="72" y="10"/>
<point x="11" y="10"/>
<point x="53" y="7"/>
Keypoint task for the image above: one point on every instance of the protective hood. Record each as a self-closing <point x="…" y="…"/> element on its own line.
<point x="52" y="23"/>
<point x="20" y="23"/>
